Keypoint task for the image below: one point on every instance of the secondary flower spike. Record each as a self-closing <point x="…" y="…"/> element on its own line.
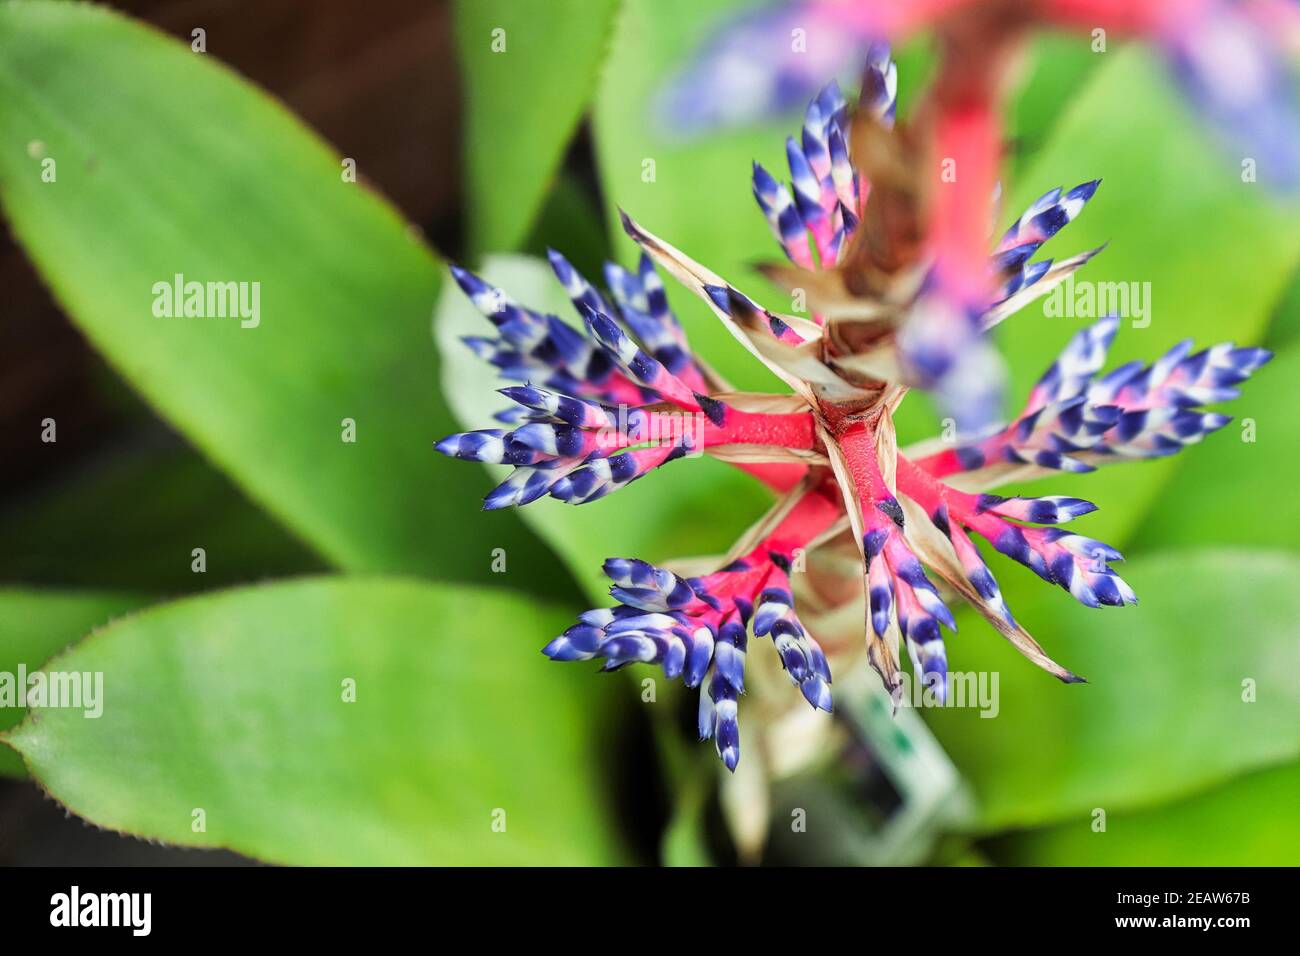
<point x="615" y="392"/>
<point x="1227" y="56"/>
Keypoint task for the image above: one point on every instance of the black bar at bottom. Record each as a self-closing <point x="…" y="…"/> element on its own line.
<point x="268" y="903"/>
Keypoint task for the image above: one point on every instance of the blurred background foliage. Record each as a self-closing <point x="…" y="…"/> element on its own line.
<point x="174" y="435"/>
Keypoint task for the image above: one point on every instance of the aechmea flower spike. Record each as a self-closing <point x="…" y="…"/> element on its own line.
<point x="1074" y="419"/>
<point x="1226" y="55"/>
<point x="615" y="392"/>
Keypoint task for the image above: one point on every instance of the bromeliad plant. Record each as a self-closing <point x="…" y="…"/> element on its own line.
<point x="338" y="669"/>
<point x="602" y="407"/>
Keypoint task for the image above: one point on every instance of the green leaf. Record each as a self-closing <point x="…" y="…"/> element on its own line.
<point x="166" y="163"/>
<point x="95" y="529"/>
<point x="1216" y="252"/>
<point x="1231" y="491"/>
<point x="36" y="625"/>
<point x="1165" y="714"/>
<point x="1057" y="66"/>
<point x="1285" y="328"/>
<point x="666" y="514"/>
<point x="530" y="68"/>
<point x="685" y="841"/>
<point x="234" y="703"/>
<point x="571" y="223"/>
<point x="1249" y="822"/>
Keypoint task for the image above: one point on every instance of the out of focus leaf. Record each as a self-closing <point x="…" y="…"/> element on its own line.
<point x="530" y="67"/>
<point x="1235" y="491"/>
<point x="1285" y="328"/>
<point x="666" y="514"/>
<point x="689" y="773"/>
<point x="571" y="222"/>
<point x="1057" y="67"/>
<point x="463" y="745"/>
<point x="1248" y="822"/>
<point x="1189" y="688"/>
<point x="1215" y="253"/>
<point x="36" y="625"/>
<point x="96" y="529"/>
<point x="166" y="164"/>
<point x="684" y="841"/>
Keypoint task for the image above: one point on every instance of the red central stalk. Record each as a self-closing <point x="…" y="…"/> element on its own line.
<point x="812" y="515"/>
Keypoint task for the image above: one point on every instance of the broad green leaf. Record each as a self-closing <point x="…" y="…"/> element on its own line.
<point x="529" y="67"/>
<point x="236" y="703"/>
<point x="1238" y="488"/>
<point x="36" y="625"/>
<point x="1189" y="688"/>
<point x="695" y="506"/>
<point x="1248" y="822"/>
<point x="1215" y="253"/>
<point x="165" y="163"/>
<point x="95" y="529"/>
